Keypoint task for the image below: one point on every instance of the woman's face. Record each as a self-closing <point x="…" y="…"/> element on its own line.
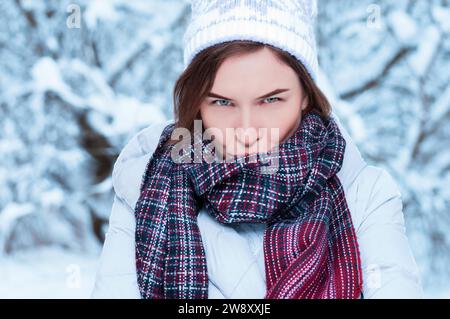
<point x="257" y="99"/>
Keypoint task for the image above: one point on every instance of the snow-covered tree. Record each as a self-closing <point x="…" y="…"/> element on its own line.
<point x="388" y="62"/>
<point x="78" y="79"/>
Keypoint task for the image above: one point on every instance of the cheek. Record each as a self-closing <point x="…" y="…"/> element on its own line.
<point x="216" y="121"/>
<point x="285" y="119"/>
<point x="215" y="117"/>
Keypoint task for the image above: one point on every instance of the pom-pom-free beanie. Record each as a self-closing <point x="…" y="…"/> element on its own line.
<point x="285" y="24"/>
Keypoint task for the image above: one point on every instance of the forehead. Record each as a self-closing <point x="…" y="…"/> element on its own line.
<point x="253" y="72"/>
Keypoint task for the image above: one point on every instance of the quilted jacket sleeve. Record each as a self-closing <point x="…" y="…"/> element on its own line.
<point x="389" y="268"/>
<point x="116" y="272"/>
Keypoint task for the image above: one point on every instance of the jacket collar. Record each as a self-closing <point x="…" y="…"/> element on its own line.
<point x="353" y="162"/>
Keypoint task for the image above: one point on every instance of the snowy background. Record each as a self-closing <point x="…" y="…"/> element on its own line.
<point x="79" y="78"/>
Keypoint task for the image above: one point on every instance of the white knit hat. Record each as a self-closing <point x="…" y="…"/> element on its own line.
<point x="285" y="24"/>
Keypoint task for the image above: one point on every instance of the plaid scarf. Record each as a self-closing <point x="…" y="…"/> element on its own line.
<point x="310" y="245"/>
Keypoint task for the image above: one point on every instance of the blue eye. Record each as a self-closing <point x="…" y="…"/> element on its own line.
<point x="278" y="99"/>
<point x="214" y="102"/>
<point x="221" y="100"/>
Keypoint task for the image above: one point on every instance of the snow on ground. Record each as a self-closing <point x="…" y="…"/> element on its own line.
<point x="47" y="273"/>
<point x="52" y="272"/>
<point x="438" y="294"/>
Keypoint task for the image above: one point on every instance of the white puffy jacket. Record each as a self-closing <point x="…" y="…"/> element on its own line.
<point x="234" y="254"/>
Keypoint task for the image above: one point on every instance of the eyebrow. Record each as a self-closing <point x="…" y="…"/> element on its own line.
<point x="211" y="94"/>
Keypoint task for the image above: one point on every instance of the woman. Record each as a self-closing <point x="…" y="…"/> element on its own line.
<point x="321" y="223"/>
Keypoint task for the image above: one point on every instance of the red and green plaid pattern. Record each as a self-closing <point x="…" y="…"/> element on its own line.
<point x="310" y="245"/>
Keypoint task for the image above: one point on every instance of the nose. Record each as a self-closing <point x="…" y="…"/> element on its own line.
<point x="247" y="132"/>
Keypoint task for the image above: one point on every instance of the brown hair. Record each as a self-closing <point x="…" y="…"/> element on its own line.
<point x="197" y="80"/>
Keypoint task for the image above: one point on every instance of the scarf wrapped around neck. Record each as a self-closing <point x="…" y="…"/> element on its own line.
<point x="310" y="245"/>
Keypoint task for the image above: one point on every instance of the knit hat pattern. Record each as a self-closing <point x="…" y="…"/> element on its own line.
<point x="285" y="24"/>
